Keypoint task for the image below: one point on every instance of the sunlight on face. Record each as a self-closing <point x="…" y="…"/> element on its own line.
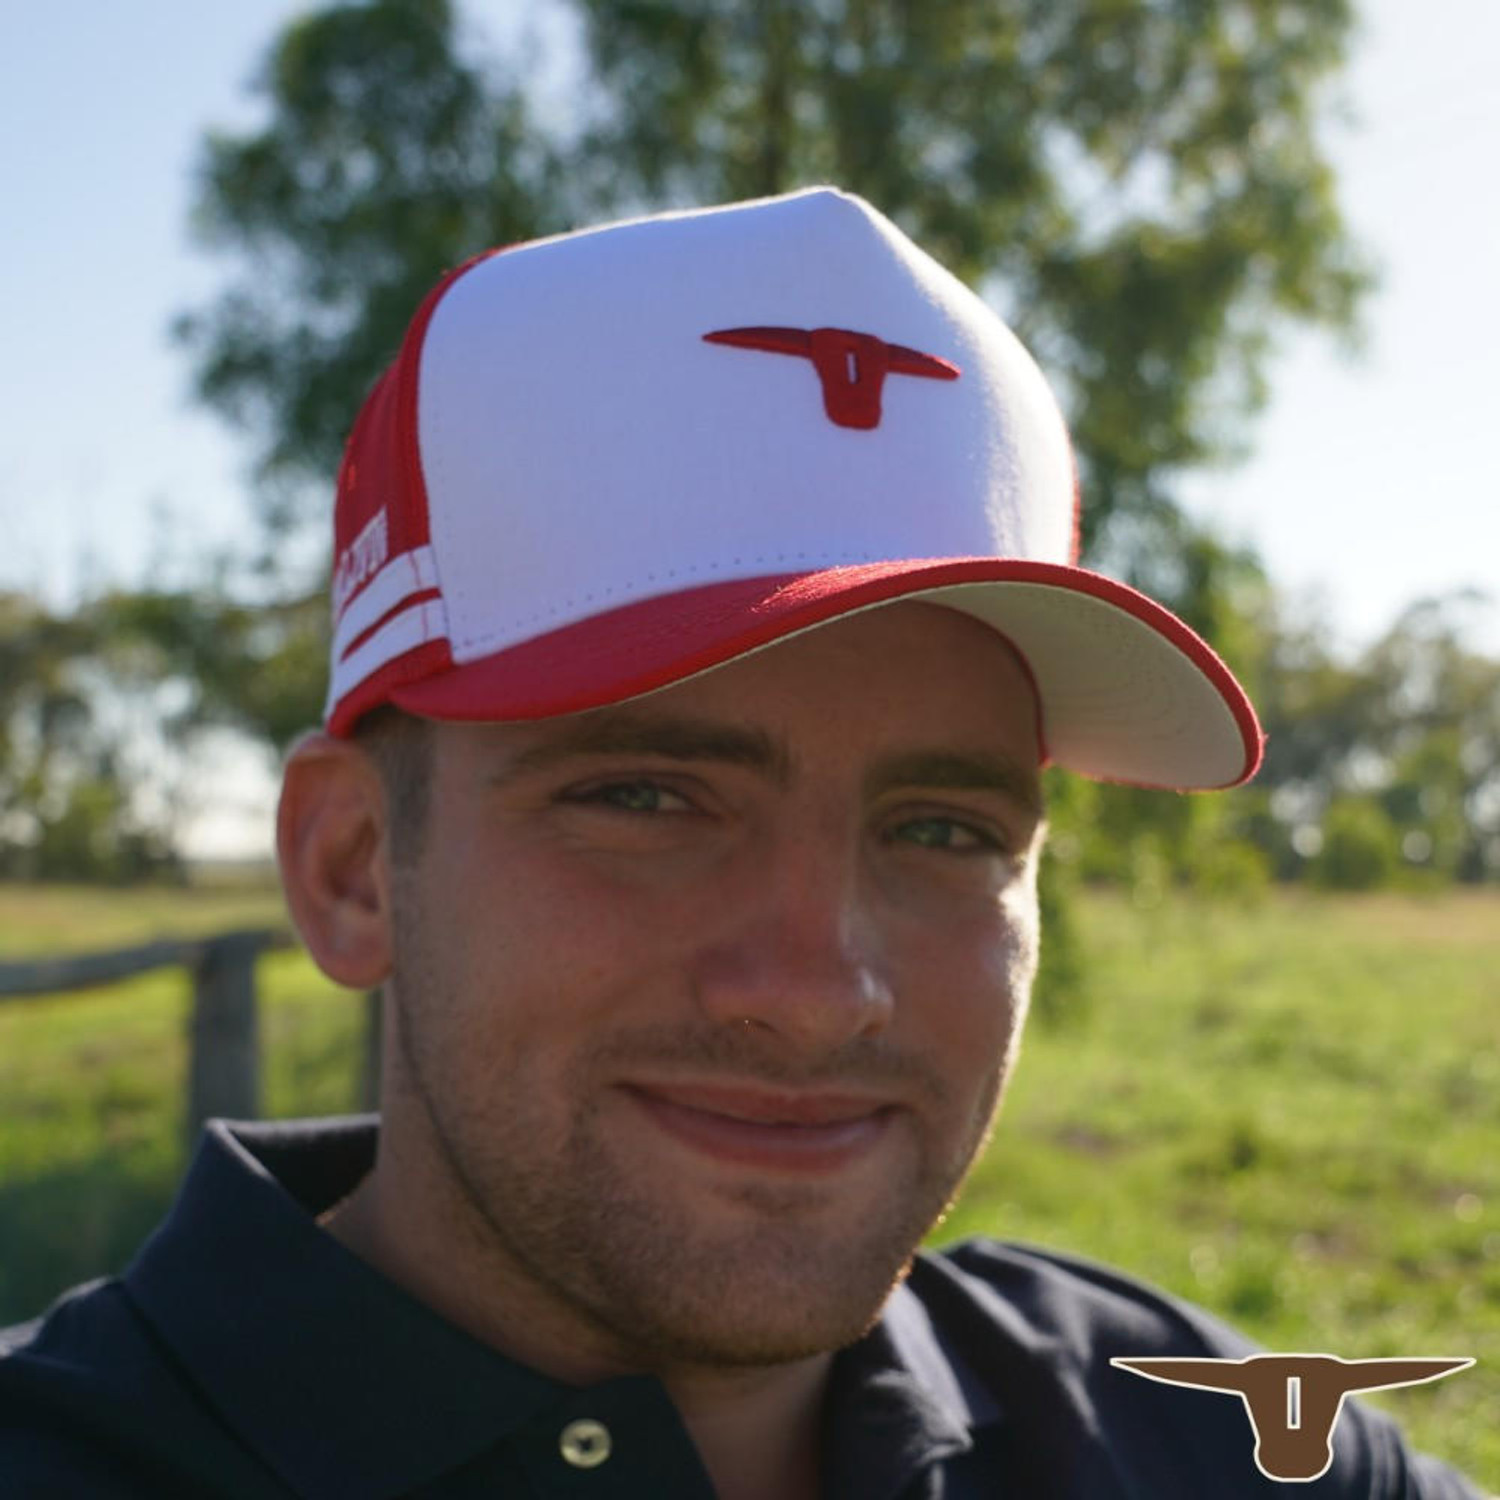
<point x="705" y="1003"/>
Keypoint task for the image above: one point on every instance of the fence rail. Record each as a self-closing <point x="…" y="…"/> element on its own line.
<point x="224" y="1030"/>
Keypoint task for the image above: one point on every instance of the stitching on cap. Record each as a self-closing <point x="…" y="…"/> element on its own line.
<point x="515" y="630"/>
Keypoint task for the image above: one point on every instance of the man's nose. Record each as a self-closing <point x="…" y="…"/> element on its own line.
<point x="803" y="952"/>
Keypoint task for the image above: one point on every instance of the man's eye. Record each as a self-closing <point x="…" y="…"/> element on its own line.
<point x="634" y="797"/>
<point x="946" y="833"/>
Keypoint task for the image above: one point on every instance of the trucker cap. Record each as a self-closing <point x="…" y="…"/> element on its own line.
<point x="607" y="461"/>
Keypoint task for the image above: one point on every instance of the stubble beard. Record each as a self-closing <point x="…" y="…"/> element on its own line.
<point x="769" y="1280"/>
<point x="775" y="1275"/>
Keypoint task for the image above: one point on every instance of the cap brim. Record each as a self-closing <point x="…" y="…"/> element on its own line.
<point x="1127" y="692"/>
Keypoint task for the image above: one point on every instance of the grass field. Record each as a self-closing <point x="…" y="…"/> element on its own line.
<point x="1288" y="1112"/>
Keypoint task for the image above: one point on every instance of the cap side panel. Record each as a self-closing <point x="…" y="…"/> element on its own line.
<point x="413" y="625"/>
<point x="381" y="685"/>
<point x="435" y="626"/>
<point x="381" y="509"/>
<point x="411" y="573"/>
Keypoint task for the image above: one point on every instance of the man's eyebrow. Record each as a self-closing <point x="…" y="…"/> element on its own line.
<point x="960" y="770"/>
<point x="674" y="737"/>
<point x="678" y="737"/>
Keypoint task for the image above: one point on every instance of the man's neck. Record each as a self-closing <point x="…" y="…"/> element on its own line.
<point x="758" y="1430"/>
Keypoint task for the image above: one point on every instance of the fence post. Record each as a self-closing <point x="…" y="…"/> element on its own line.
<point x="224" y="1076"/>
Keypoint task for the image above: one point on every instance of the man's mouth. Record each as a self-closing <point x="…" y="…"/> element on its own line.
<point x="772" y="1130"/>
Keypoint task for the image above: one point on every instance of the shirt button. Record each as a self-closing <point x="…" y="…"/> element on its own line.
<point x="585" y="1443"/>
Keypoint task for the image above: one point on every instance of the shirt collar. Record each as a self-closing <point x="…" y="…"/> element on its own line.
<point x="346" y="1385"/>
<point x="343" y="1383"/>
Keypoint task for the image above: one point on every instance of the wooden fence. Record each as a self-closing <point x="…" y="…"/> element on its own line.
<point x="224" y="1031"/>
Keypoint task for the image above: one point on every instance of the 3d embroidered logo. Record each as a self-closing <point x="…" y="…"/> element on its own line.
<point x="851" y="366"/>
<point x="1293" y="1400"/>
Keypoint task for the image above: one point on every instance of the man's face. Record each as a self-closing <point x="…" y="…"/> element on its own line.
<point x="705" y="1002"/>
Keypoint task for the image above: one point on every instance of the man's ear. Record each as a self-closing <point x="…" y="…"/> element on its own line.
<point x="332" y="847"/>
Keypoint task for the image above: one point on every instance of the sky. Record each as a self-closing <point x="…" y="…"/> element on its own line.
<point x="1370" y="482"/>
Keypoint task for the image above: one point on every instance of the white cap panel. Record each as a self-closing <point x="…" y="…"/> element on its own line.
<point x="583" y="447"/>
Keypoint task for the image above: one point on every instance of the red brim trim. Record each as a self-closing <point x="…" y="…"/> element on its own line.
<point x="655" y="642"/>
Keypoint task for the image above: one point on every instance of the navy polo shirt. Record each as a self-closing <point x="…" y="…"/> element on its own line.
<point x="246" y="1354"/>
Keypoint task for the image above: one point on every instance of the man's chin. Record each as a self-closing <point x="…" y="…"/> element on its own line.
<point x="762" y="1343"/>
<point x="756" y="1315"/>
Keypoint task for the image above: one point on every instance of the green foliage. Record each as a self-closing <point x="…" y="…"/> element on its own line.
<point x="68" y="785"/>
<point x="1152" y="843"/>
<point x="100" y="712"/>
<point x="1140" y="182"/>
<point x="91" y="834"/>
<point x="1407" y="735"/>
<point x="1061" y="995"/>
<point x="1360" y="850"/>
<point x="385" y="160"/>
<point x="257" y="667"/>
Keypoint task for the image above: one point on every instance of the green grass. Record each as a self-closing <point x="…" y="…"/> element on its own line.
<point x="93" y="1084"/>
<point x="1289" y="1113"/>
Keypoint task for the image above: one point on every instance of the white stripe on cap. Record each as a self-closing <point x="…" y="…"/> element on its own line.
<point x="413" y="627"/>
<point x="406" y="574"/>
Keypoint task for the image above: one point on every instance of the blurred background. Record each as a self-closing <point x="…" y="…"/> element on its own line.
<point x="1253" y="244"/>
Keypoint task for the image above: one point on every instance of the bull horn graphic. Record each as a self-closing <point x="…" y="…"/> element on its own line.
<point x="851" y="366"/>
<point x="1293" y="1400"/>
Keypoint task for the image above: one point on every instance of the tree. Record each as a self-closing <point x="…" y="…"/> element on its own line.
<point x="71" y="777"/>
<point x="1360" y="849"/>
<point x="1138" y="182"/>
<point x="255" y="667"/>
<point x="1395" y="755"/>
<point x="386" y="159"/>
<point x="1138" y="185"/>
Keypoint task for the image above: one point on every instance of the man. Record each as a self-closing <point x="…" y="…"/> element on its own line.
<point x="704" y="611"/>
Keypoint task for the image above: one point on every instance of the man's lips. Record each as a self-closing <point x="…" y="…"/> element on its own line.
<point x="764" y="1106"/>
<point x="769" y="1129"/>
